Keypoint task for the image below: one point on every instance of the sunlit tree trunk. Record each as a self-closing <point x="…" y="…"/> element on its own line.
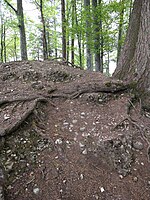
<point x="78" y="35"/>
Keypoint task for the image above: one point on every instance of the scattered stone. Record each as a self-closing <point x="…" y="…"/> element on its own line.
<point x="135" y="179"/>
<point x="138" y="145"/>
<point x="96" y="196"/>
<point x="82" y="129"/>
<point x="65" y="123"/>
<point x="148" y="182"/>
<point x="58" y="141"/>
<point x="74" y="121"/>
<point x="6" y="117"/>
<point x="83" y="114"/>
<point x="81" y="176"/>
<point x="81" y="145"/>
<point x="102" y="189"/>
<point x="9" y="165"/>
<point x="120" y="176"/>
<point x="84" y="152"/>
<point x="36" y="190"/>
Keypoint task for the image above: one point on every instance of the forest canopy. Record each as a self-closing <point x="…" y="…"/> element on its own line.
<point x="87" y="34"/>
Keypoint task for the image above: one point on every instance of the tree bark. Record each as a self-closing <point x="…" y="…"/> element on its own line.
<point x="78" y="34"/>
<point x="88" y="35"/>
<point x="20" y="16"/>
<point x="134" y="62"/>
<point x="120" y="29"/>
<point x="63" y="15"/>
<point x="45" y="53"/>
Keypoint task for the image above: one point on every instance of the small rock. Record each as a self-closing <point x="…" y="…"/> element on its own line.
<point x="120" y="176"/>
<point x="83" y="114"/>
<point x="81" y="145"/>
<point x="74" y="121"/>
<point x="138" y="145"/>
<point x="82" y="129"/>
<point x="84" y="152"/>
<point x="96" y="196"/>
<point x="81" y="176"/>
<point x="58" y="141"/>
<point x="102" y="189"/>
<point x="36" y="190"/>
<point x="9" y="165"/>
<point x="135" y="179"/>
<point x="6" y="117"/>
<point x="148" y="182"/>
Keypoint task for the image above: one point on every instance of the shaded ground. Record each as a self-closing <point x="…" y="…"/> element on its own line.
<point x="70" y="134"/>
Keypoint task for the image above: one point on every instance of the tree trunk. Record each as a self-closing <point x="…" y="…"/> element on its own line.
<point x="63" y="15"/>
<point x="134" y="62"/>
<point x="78" y="35"/>
<point x="96" y="36"/>
<point x="45" y="53"/>
<point x="2" y="44"/>
<point x="20" y="16"/>
<point x="120" y="29"/>
<point x="15" y="47"/>
<point x="88" y="34"/>
<point x="72" y="34"/>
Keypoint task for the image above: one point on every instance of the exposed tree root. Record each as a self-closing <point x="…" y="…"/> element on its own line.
<point x="23" y="117"/>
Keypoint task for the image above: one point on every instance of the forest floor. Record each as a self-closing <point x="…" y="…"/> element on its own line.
<point x="70" y="134"/>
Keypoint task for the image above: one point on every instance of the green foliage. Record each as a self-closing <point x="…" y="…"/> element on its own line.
<point x="108" y="13"/>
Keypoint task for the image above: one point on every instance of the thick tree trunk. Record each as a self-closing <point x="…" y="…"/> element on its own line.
<point x="20" y="16"/>
<point x="134" y="62"/>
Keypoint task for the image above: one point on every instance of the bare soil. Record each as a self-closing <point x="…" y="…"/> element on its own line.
<point x="70" y="134"/>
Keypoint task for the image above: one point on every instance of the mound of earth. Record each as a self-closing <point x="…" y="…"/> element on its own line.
<point x="70" y="134"/>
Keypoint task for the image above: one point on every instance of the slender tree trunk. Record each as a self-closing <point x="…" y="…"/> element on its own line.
<point x="63" y="15"/>
<point x="122" y="2"/>
<point x="78" y="35"/>
<point x="45" y="53"/>
<point x="73" y="32"/>
<point x="15" y="47"/>
<point x="20" y="16"/>
<point x="55" y="37"/>
<point x="97" y="27"/>
<point x="2" y="33"/>
<point x="4" y="43"/>
<point x="67" y="32"/>
<point x="88" y="34"/>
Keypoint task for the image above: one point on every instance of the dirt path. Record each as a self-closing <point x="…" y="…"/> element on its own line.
<point x="60" y="140"/>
